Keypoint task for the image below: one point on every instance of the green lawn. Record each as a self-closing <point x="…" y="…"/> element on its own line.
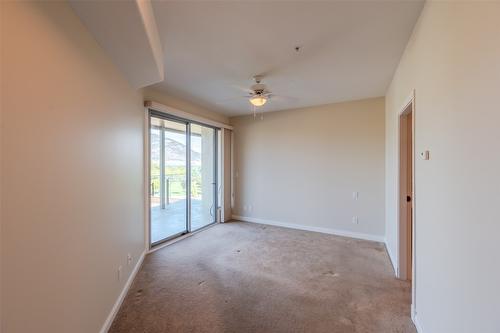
<point x="177" y="181"/>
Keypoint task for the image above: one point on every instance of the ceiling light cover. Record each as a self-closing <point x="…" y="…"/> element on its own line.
<point x="258" y="100"/>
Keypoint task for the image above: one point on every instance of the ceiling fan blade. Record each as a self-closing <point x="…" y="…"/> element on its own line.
<point x="233" y="99"/>
<point x="282" y="98"/>
<point x="242" y="89"/>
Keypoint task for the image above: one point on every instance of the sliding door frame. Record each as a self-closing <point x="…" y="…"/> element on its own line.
<point x="166" y="116"/>
<point x="215" y="173"/>
<point x="162" y="165"/>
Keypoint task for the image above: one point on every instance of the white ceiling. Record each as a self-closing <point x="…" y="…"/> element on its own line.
<point x="350" y="50"/>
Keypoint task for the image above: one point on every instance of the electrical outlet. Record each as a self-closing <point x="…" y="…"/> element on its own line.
<point x="129" y="259"/>
<point x="119" y="273"/>
<point x="355" y="195"/>
<point x="355" y="220"/>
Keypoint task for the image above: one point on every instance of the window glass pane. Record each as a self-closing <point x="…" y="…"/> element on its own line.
<point x="168" y="179"/>
<point x="203" y="182"/>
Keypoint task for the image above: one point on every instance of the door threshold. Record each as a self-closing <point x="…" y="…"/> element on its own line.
<point x="181" y="237"/>
<point x="205" y="227"/>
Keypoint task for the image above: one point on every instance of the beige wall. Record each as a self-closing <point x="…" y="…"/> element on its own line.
<point x="151" y="94"/>
<point x="302" y="166"/>
<point x="72" y="172"/>
<point x="72" y="180"/>
<point x="452" y="62"/>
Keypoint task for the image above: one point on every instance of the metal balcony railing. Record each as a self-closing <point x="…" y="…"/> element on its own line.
<point x="174" y="187"/>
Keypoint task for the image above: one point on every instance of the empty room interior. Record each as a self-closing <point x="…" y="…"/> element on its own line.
<point x="249" y="166"/>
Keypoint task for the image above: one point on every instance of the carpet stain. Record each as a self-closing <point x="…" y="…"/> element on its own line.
<point x="331" y="273"/>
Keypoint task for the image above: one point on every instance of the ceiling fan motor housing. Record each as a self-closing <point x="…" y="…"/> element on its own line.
<point x="259" y="88"/>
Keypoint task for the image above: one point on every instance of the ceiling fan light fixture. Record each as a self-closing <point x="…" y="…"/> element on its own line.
<point x="258" y="100"/>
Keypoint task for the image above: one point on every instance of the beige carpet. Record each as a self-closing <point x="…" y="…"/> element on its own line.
<point x="241" y="277"/>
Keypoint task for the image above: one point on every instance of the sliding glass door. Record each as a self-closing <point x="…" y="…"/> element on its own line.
<point x="203" y="177"/>
<point x="183" y="177"/>
<point x="168" y="173"/>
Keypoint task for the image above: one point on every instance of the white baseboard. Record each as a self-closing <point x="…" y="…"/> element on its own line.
<point x="119" y="301"/>
<point x="414" y="318"/>
<point x="330" y="231"/>
<point x="392" y="258"/>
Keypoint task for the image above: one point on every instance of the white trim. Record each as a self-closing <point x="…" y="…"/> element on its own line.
<point x="119" y="301"/>
<point x="414" y="212"/>
<point x="407" y="102"/>
<point x="323" y="230"/>
<point x="414" y="318"/>
<point x="185" y="115"/>
<point x="392" y="258"/>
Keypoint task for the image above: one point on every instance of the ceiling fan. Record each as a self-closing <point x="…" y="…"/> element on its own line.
<point x="257" y="96"/>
